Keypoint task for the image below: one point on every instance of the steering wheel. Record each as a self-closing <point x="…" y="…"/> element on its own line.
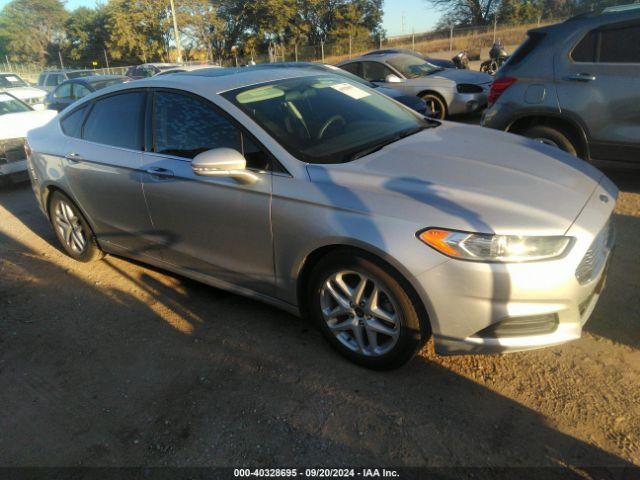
<point x="333" y="119"/>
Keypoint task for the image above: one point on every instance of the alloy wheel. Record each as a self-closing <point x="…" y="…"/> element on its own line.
<point x="360" y="313"/>
<point x="70" y="228"/>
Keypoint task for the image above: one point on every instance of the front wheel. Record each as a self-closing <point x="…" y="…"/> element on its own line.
<point x="73" y="231"/>
<point x="436" y="105"/>
<point x="365" y="311"/>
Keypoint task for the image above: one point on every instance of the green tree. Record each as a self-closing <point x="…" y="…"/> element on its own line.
<point x="86" y="35"/>
<point x="31" y="29"/>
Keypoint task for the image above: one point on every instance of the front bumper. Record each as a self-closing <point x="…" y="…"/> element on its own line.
<point x="470" y="301"/>
<point x="462" y="103"/>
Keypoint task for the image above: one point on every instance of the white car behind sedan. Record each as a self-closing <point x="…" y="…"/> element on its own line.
<point x="16" y="119"/>
<point x="19" y="88"/>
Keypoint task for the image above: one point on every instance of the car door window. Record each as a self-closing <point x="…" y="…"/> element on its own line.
<point x="375" y="72"/>
<point x="617" y="44"/>
<point x="63" y="91"/>
<point x="80" y="91"/>
<point x="116" y="120"/>
<point x="52" y="80"/>
<point x="354" y="68"/>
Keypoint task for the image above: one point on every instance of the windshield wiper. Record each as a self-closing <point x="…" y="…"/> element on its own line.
<point x="378" y="146"/>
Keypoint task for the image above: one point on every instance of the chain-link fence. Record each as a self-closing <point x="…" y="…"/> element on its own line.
<point x="443" y="43"/>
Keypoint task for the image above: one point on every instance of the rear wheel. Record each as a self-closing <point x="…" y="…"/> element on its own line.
<point x="551" y="136"/>
<point x="365" y="312"/>
<point x="436" y="105"/>
<point x="73" y="231"/>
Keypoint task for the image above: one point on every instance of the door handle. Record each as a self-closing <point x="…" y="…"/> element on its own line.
<point x="581" y="77"/>
<point x="159" y="172"/>
<point x="74" y="157"/>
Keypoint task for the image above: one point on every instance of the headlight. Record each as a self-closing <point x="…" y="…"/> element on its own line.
<point x="469" y="88"/>
<point x="483" y="247"/>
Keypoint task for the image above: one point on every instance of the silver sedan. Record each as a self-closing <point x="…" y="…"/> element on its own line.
<point x="322" y="197"/>
<point x="447" y="91"/>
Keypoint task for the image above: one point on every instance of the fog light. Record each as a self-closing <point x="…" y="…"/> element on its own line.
<point x="472" y="105"/>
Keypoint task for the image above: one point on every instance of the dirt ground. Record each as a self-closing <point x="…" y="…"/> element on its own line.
<point x="119" y="364"/>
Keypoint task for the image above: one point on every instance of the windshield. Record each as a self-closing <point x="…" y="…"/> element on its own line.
<point x="10" y="80"/>
<point x="326" y="119"/>
<point x="9" y="104"/>
<point x="413" y="67"/>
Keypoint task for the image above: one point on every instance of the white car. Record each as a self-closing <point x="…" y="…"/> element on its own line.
<point x="21" y="89"/>
<point x="16" y="119"/>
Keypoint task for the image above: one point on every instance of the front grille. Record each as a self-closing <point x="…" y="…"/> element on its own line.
<point x="521" y="326"/>
<point x="12" y="150"/>
<point x="596" y="256"/>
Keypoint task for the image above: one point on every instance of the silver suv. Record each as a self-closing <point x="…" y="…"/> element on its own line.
<point x="575" y="85"/>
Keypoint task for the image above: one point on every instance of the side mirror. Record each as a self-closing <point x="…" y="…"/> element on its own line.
<point x="223" y="162"/>
<point x="392" y="78"/>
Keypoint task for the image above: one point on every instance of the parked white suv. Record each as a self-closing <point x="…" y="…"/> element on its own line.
<point x="19" y="88"/>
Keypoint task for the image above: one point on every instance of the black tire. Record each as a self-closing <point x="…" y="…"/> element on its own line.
<point x="553" y="137"/>
<point x="436" y="104"/>
<point x="91" y="251"/>
<point x="414" y="327"/>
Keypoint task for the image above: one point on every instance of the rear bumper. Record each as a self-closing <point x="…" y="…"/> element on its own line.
<point x="489" y="308"/>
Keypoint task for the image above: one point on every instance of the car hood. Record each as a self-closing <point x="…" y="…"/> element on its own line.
<point x="467" y="178"/>
<point x="462" y="76"/>
<point x="24" y="93"/>
<point x="16" y="125"/>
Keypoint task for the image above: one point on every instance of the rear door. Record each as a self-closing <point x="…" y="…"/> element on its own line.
<point x="103" y="162"/>
<point x="599" y="82"/>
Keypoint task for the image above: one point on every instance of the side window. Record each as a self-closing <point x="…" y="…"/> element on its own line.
<point x="620" y="45"/>
<point x="52" y="80"/>
<point x="63" y="91"/>
<point x="374" y="71"/>
<point x="185" y="126"/>
<point x="609" y="45"/>
<point x="80" y="91"/>
<point x="41" y="79"/>
<point x="117" y="120"/>
<point x="353" y="68"/>
<point x="72" y="123"/>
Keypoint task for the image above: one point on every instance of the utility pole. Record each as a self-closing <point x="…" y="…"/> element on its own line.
<point x="349" y="47"/>
<point x="106" y="60"/>
<point x="295" y="49"/>
<point x="451" y="39"/>
<point x="322" y="49"/>
<point x="402" y="23"/>
<point x="176" y="32"/>
<point x="413" y="39"/>
<point x="495" y="27"/>
<point x="60" y="57"/>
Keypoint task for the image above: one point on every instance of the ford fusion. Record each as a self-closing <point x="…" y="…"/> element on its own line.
<point x="327" y="199"/>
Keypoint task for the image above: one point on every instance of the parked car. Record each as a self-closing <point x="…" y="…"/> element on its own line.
<point x="575" y="85"/>
<point x="438" y="62"/>
<point x="16" y="119"/>
<point x="447" y="91"/>
<point x="185" y="68"/>
<point x="149" y="70"/>
<point x="71" y="90"/>
<point x="19" y="88"/>
<point x="50" y="79"/>
<point x="323" y="197"/>
<point x="410" y="101"/>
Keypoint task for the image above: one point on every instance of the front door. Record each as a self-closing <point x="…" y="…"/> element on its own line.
<point x="215" y="227"/>
<point x="600" y="83"/>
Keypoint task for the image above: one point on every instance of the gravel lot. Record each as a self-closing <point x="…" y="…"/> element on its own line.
<point x="120" y="364"/>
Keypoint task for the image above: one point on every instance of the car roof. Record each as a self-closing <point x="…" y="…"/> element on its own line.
<point x="382" y="57"/>
<point x="209" y="82"/>
<point x="590" y="20"/>
<point x="95" y="78"/>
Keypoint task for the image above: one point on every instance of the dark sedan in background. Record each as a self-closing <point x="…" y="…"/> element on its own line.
<point x="71" y="90"/>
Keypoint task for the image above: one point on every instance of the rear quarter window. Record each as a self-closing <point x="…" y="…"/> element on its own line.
<point x="611" y="44"/>
<point x="533" y="40"/>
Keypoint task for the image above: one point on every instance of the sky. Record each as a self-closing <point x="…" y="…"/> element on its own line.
<point x="418" y="14"/>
